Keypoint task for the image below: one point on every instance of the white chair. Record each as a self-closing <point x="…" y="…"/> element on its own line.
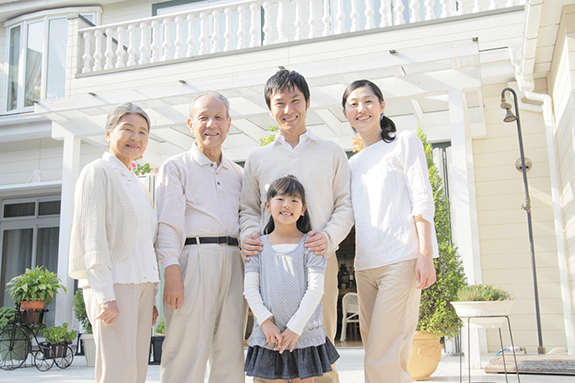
<point x="350" y="312"/>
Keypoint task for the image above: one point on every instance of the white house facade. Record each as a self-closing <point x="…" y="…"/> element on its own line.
<point x="441" y="64"/>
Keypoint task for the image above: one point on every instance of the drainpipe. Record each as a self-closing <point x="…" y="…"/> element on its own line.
<point x="559" y="229"/>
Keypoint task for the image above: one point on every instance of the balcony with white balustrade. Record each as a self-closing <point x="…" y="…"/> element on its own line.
<point x="422" y="53"/>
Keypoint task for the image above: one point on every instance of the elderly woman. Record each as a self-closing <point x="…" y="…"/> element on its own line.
<point x="112" y="250"/>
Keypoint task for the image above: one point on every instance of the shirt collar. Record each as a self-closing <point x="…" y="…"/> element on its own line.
<point x="307" y="135"/>
<point x="203" y="160"/>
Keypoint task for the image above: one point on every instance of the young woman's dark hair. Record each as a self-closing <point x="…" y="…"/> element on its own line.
<point x="285" y="79"/>
<point x="290" y="186"/>
<point x="387" y="126"/>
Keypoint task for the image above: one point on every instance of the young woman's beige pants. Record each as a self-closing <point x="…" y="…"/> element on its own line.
<point x="123" y="349"/>
<point x="389" y="307"/>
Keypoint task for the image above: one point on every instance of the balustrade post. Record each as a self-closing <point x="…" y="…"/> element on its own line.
<point x="144" y="51"/>
<point x="493" y="5"/>
<point x="444" y="8"/>
<point x="254" y="41"/>
<point x="228" y="32"/>
<point x="460" y="7"/>
<point x="326" y="19"/>
<point x="241" y="27"/>
<point x="354" y="15"/>
<point x="166" y="45"/>
<point x="203" y="33"/>
<point x="476" y="6"/>
<point x="109" y="54"/>
<point x="155" y="43"/>
<point x="267" y="28"/>
<point x="398" y="11"/>
<point x="311" y="21"/>
<point x="131" y="45"/>
<point x="120" y="50"/>
<point x="190" y="40"/>
<point x="369" y="12"/>
<point x="297" y="23"/>
<point x="86" y="57"/>
<point x="216" y="31"/>
<point x="385" y="12"/>
<point x="178" y="54"/>
<point x="282" y="22"/>
<point x="340" y="18"/>
<point x="429" y="9"/>
<point x="98" y="50"/>
<point x="414" y="8"/>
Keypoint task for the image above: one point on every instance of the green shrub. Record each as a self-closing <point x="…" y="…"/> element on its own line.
<point x="80" y="311"/>
<point x="59" y="334"/>
<point x="161" y="327"/>
<point x="7" y="316"/>
<point x="39" y="284"/>
<point x="482" y="293"/>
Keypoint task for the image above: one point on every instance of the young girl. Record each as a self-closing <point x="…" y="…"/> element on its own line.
<point x="283" y="286"/>
<point x="395" y="242"/>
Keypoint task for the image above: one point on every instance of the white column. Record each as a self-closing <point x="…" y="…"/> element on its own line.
<point x="70" y="171"/>
<point x="464" y="208"/>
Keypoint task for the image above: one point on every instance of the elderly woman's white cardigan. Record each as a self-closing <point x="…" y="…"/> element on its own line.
<point x="104" y="228"/>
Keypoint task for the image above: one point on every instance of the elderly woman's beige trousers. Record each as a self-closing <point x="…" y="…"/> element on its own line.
<point x="389" y="307"/>
<point x="122" y="349"/>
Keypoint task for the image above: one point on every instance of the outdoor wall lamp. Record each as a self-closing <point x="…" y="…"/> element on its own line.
<point x="511" y="117"/>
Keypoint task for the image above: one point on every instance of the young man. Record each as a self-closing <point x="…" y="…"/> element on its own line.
<point x="198" y="202"/>
<point x="320" y="165"/>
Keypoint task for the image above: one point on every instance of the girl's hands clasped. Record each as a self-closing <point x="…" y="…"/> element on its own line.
<point x="272" y="333"/>
<point x="288" y="340"/>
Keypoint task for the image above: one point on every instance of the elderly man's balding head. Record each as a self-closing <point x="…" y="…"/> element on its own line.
<point x="215" y="94"/>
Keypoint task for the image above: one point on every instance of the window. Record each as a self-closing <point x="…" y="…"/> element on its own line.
<point x="29" y="237"/>
<point x="36" y="57"/>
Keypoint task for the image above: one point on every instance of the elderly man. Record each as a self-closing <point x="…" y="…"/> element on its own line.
<point x="198" y="199"/>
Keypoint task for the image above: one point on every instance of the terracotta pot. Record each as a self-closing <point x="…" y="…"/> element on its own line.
<point x="424" y="356"/>
<point x="31" y="305"/>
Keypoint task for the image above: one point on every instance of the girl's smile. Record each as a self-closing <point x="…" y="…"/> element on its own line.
<point x="285" y="210"/>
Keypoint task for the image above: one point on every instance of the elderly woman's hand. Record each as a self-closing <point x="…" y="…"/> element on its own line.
<point x="109" y="312"/>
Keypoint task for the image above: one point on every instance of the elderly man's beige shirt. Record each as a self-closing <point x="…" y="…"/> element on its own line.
<point x="197" y="198"/>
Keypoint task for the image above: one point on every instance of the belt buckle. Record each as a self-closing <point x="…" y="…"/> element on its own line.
<point x="222" y="240"/>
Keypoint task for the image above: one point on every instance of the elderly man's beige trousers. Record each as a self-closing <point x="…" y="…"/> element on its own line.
<point x="123" y="349"/>
<point x="209" y="329"/>
<point x="389" y="307"/>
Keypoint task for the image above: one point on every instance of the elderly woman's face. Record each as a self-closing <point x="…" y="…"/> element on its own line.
<point x="129" y="138"/>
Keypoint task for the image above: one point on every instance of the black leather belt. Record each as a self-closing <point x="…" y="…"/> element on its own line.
<point x="230" y="241"/>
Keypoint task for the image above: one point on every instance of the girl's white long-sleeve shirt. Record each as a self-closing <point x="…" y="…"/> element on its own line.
<point x="389" y="187"/>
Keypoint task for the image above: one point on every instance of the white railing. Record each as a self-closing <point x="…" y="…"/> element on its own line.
<point x="249" y="23"/>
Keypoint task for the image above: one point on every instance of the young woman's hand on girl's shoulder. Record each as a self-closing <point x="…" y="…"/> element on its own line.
<point x="288" y="340"/>
<point x="272" y="333"/>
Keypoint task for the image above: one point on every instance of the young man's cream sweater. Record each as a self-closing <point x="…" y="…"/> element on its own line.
<point x="322" y="168"/>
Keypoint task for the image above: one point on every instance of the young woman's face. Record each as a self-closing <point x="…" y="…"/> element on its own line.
<point x="285" y="210"/>
<point x="363" y="111"/>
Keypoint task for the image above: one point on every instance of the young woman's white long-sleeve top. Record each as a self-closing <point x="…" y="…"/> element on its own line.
<point x="389" y="187"/>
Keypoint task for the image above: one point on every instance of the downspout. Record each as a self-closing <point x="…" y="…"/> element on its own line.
<point x="559" y="229"/>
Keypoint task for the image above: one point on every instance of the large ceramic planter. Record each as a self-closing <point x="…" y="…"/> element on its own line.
<point x="424" y="356"/>
<point x="89" y="349"/>
<point x="477" y="311"/>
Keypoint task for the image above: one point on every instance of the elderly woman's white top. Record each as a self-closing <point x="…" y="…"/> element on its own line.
<point x="389" y="187"/>
<point x="140" y="265"/>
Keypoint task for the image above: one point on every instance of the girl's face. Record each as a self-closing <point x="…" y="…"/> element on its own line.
<point x="285" y="210"/>
<point x="363" y="111"/>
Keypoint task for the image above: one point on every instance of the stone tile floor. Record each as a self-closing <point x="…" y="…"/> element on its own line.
<point x="350" y="368"/>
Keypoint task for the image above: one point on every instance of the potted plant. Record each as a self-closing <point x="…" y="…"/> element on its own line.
<point x="157" y="342"/>
<point x="87" y="338"/>
<point x="58" y="338"/>
<point x="482" y="301"/>
<point x="34" y="288"/>
<point x="437" y="318"/>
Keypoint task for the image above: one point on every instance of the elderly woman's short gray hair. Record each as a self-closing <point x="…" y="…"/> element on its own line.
<point x="211" y="93"/>
<point x="121" y="110"/>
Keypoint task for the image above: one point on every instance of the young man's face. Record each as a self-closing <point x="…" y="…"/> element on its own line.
<point x="288" y="107"/>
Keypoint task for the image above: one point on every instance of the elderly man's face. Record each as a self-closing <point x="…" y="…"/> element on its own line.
<point x="209" y="122"/>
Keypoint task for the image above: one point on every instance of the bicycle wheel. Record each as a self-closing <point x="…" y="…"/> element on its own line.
<point x="66" y="360"/>
<point x="13" y="347"/>
<point x="43" y="359"/>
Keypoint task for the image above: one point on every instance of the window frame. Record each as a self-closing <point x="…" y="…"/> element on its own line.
<point x="23" y="22"/>
<point x="36" y="200"/>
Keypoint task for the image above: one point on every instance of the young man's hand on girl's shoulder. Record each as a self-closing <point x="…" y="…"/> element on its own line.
<point x="272" y="333"/>
<point x="288" y="340"/>
<point x="316" y="242"/>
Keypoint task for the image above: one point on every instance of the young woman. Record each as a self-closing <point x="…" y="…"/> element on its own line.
<point x="395" y="241"/>
<point x="283" y="286"/>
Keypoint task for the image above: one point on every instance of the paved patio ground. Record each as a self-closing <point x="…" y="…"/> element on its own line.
<point x="350" y="368"/>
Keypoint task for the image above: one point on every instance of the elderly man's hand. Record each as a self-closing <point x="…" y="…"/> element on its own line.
<point x="251" y="245"/>
<point x="173" y="287"/>
<point x="109" y="312"/>
<point x="316" y="242"/>
<point x="155" y="315"/>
